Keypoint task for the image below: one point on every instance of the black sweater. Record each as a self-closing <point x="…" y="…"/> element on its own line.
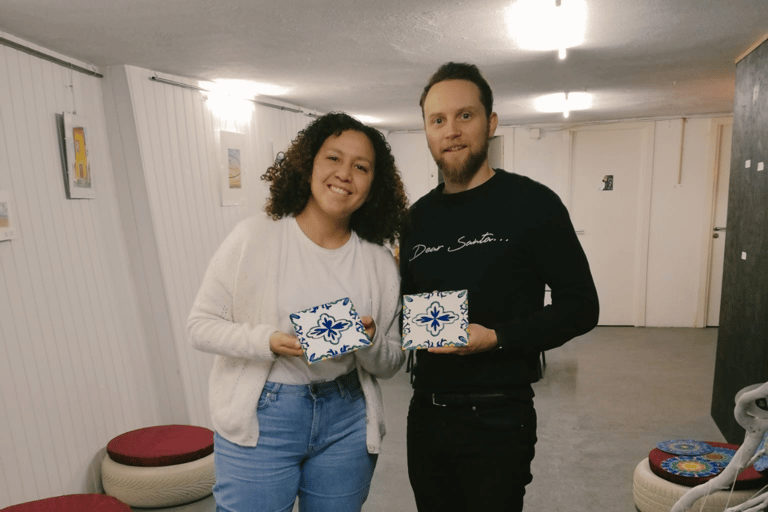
<point x="503" y="241"/>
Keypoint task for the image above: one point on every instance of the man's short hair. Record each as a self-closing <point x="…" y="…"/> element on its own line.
<point x="461" y="71"/>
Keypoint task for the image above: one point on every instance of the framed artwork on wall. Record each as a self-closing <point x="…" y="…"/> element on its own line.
<point x="233" y="167"/>
<point x="8" y="224"/>
<point x="75" y="140"/>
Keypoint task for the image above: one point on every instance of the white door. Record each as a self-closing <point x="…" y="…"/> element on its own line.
<point x="722" y="173"/>
<point x="608" y="205"/>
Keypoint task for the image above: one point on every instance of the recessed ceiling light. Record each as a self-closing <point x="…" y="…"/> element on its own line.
<point x="230" y="108"/>
<point x="563" y="102"/>
<point x="244" y="88"/>
<point x="545" y="25"/>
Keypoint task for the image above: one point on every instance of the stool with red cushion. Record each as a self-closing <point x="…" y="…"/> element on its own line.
<point x="160" y="466"/>
<point x="72" y="503"/>
<point x="750" y="478"/>
<point x="656" y="489"/>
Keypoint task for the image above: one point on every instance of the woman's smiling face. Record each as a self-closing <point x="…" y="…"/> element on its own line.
<point x="342" y="174"/>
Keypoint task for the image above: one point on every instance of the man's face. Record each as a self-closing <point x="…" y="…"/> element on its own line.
<point x="458" y="130"/>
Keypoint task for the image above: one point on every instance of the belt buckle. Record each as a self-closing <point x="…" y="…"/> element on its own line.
<point x="435" y="403"/>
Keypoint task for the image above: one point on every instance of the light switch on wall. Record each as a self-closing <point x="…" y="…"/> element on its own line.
<point x="743" y="255"/>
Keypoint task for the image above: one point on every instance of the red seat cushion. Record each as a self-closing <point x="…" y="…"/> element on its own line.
<point x="750" y="478"/>
<point x="164" y="445"/>
<point x="73" y="503"/>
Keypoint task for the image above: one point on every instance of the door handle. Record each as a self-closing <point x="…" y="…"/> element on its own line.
<point x="580" y="232"/>
<point x="720" y="228"/>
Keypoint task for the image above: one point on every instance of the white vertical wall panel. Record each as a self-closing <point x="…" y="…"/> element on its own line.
<point x="71" y="359"/>
<point x="413" y="158"/>
<point x="180" y="150"/>
<point x="75" y="365"/>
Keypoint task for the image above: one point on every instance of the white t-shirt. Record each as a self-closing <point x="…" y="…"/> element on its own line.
<point x="311" y="275"/>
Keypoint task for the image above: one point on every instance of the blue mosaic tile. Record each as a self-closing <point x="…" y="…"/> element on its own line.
<point x="690" y="467"/>
<point x="761" y="464"/>
<point x="719" y="455"/>
<point x="684" y="447"/>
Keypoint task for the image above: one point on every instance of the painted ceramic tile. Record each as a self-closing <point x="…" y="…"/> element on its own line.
<point x="329" y="330"/>
<point x="437" y="319"/>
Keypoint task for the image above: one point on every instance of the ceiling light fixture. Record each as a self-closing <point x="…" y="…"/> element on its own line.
<point x="563" y="102"/>
<point x="547" y="25"/>
<point x="228" y="107"/>
<point x="233" y="99"/>
<point x="245" y="89"/>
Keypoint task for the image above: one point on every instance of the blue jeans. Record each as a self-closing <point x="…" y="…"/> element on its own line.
<point x="311" y="444"/>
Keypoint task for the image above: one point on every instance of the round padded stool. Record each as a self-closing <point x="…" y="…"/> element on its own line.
<point x="72" y="503"/>
<point x="160" y="466"/>
<point x="655" y="494"/>
<point x="750" y="478"/>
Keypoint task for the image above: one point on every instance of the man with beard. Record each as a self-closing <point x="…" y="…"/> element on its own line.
<point x="503" y="237"/>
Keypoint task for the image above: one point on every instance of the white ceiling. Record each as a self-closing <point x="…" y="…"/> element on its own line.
<point x="641" y="58"/>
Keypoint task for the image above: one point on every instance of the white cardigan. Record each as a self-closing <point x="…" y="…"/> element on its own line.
<point x="235" y="313"/>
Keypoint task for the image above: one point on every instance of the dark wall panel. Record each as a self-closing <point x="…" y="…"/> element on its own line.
<point x="742" y="344"/>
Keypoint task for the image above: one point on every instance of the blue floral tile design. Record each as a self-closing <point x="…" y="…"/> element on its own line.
<point x="690" y="467"/>
<point x="329" y="330"/>
<point x="684" y="447"/>
<point x="437" y="319"/>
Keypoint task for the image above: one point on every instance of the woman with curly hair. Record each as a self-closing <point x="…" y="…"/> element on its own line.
<point x="285" y="428"/>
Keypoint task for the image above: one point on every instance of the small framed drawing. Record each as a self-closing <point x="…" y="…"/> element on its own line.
<point x="329" y="330"/>
<point x="233" y="166"/>
<point x="76" y="140"/>
<point x="436" y="319"/>
<point x="8" y="226"/>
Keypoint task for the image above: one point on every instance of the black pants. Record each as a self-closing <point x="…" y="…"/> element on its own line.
<point x="470" y="458"/>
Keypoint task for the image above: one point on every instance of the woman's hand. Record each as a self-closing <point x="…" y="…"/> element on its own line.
<point x="284" y="344"/>
<point x="370" y="326"/>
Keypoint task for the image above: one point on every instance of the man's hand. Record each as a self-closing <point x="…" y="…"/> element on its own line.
<point x="370" y="326"/>
<point x="480" y="340"/>
<point x="284" y="344"/>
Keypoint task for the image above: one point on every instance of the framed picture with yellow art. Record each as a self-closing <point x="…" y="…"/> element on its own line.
<point x="76" y="141"/>
<point x="8" y="228"/>
<point x="233" y="165"/>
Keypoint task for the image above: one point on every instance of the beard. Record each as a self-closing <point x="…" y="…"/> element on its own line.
<point x="463" y="172"/>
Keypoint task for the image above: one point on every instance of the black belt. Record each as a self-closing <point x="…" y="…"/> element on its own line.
<point x="462" y="399"/>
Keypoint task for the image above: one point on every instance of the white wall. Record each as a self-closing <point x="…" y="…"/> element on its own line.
<point x="414" y="162"/>
<point x="73" y="368"/>
<point x="94" y="294"/>
<point x="675" y="279"/>
<point x="176" y="191"/>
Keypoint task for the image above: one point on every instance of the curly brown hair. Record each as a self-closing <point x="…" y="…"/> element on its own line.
<point x="380" y="218"/>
